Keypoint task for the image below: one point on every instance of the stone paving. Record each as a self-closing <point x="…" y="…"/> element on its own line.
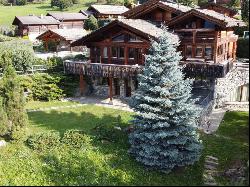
<point x="214" y="120"/>
<point x="210" y="171"/>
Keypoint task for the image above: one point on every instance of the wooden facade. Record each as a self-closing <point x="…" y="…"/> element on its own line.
<point x="70" y="20"/>
<point x="34" y="24"/>
<point x="207" y="42"/>
<point x="61" y="38"/>
<point x="220" y="9"/>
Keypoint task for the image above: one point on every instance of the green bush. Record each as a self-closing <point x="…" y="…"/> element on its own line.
<point x="240" y="30"/>
<point x="91" y="23"/>
<point x="21" y="2"/>
<point x="44" y="141"/>
<point x="76" y="139"/>
<point x="3" y="2"/>
<point x="242" y="48"/>
<point x="21" y="52"/>
<point x="45" y="88"/>
<point x="8" y="30"/>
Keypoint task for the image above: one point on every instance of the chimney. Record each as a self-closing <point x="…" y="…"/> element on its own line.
<point x="41" y="16"/>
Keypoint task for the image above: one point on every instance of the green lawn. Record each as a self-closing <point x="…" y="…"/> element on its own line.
<point x="7" y="13"/>
<point x="107" y="163"/>
<point x="39" y="104"/>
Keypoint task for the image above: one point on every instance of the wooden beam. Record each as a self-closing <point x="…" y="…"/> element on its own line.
<point x="110" y="90"/>
<point x="126" y="55"/>
<point x="82" y="85"/>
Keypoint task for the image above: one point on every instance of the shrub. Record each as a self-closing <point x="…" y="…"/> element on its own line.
<point x="8" y="30"/>
<point x="13" y="103"/>
<point x="63" y="4"/>
<point x="44" y="141"/>
<point x="45" y="87"/>
<point x="21" y="2"/>
<point x="242" y="48"/>
<point x="21" y="52"/>
<point x="3" y="2"/>
<point x="4" y="124"/>
<point x="76" y="139"/>
<point x="91" y="23"/>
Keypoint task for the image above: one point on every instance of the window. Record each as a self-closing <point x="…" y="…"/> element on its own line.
<point x="119" y="38"/>
<point x="114" y="52"/>
<point x="199" y="51"/>
<point x="193" y="25"/>
<point x="118" y="52"/>
<point x="189" y="51"/>
<point x="105" y="52"/>
<point x="134" y="39"/>
<point x="208" y="52"/>
<point x="131" y="53"/>
<point x="121" y="52"/>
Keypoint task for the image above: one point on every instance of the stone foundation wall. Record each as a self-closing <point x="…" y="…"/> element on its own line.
<point x="224" y="86"/>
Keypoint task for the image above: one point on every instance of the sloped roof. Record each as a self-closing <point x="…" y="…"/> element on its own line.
<point x="85" y="12"/>
<point x="67" y="34"/>
<point x="68" y="16"/>
<point x="109" y="9"/>
<point x="138" y="26"/>
<point x="154" y="3"/>
<point x="210" y="15"/>
<point x="35" y="20"/>
<point x="206" y="6"/>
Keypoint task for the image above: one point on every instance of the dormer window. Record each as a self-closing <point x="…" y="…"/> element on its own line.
<point x="119" y="38"/>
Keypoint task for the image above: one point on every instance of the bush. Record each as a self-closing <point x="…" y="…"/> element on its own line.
<point x="91" y="23"/>
<point x="242" y="48"/>
<point x="44" y="141"/>
<point x="8" y="30"/>
<point x="45" y="88"/>
<point x="21" y="52"/>
<point x="4" y="2"/>
<point x="76" y="139"/>
<point x="21" y="2"/>
<point x="240" y="30"/>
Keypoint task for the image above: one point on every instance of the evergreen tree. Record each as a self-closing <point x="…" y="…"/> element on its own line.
<point x="4" y="126"/>
<point x="13" y="102"/>
<point x="245" y="10"/>
<point x="165" y="123"/>
<point x="91" y="23"/>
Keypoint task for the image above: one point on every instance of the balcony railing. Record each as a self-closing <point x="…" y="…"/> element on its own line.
<point x="102" y="70"/>
<point x="191" y="69"/>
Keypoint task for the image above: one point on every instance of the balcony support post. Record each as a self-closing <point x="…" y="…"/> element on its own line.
<point x="110" y="90"/>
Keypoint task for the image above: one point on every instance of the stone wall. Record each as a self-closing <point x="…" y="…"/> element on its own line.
<point x="224" y="86"/>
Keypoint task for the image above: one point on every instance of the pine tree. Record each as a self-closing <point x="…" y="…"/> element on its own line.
<point x="245" y="10"/>
<point x="4" y="125"/>
<point x="164" y="135"/>
<point x="13" y="103"/>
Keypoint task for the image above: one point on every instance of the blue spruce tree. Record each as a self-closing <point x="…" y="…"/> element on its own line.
<point x="165" y="123"/>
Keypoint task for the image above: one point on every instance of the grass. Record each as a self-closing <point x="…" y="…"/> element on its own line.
<point x="8" y="13"/>
<point x="41" y="104"/>
<point x="107" y="163"/>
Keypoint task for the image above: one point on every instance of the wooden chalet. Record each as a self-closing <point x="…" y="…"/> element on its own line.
<point x="69" y="20"/>
<point x="207" y="42"/>
<point x="206" y="36"/>
<point x="61" y="38"/>
<point x="105" y="11"/>
<point x="220" y="9"/>
<point x="34" y="24"/>
<point x="156" y="10"/>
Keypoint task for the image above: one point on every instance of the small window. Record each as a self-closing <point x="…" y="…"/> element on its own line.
<point x="134" y="39"/>
<point x="119" y="38"/>
<point x="121" y="52"/>
<point x="131" y="53"/>
<point x="189" y="51"/>
<point x="199" y="51"/>
<point x="105" y="52"/>
<point x="114" y="52"/>
<point x="208" y="52"/>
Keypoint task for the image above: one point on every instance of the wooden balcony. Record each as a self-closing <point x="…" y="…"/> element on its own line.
<point x="206" y="70"/>
<point x="191" y="69"/>
<point x="102" y="70"/>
